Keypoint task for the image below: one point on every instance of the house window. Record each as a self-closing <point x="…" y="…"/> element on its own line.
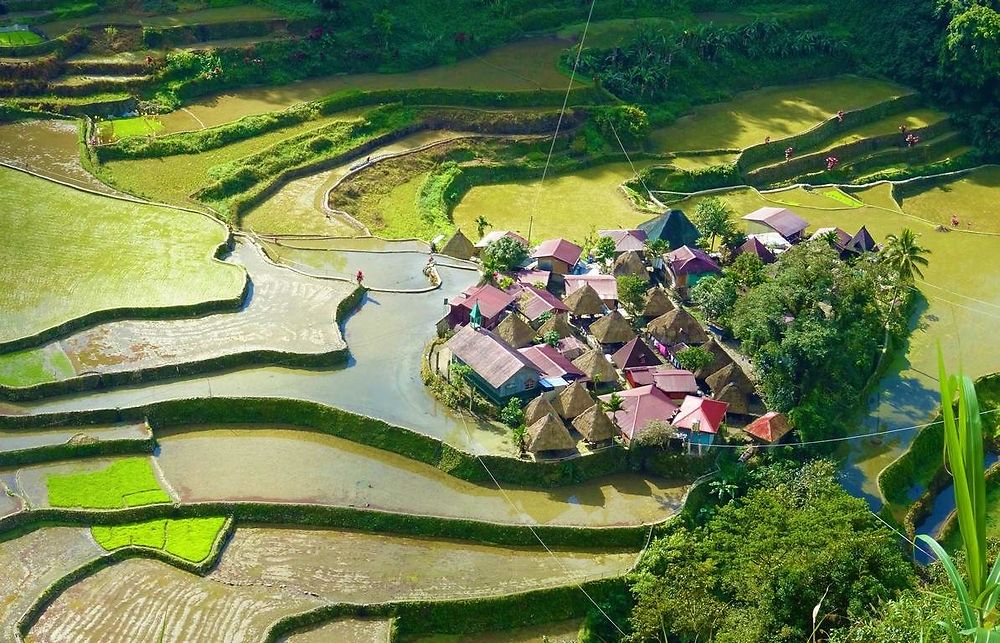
<point x="530" y="384"/>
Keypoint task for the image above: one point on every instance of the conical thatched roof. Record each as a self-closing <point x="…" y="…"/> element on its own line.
<point x="595" y="425"/>
<point x="459" y="246"/>
<point x="558" y="323"/>
<point x="721" y="359"/>
<point x="549" y="434"/>
<point x="584" y="301"/>
<point x="630" y="263"/>
<point x="515" y="331"/>
<point x="677" y="326"/>
<point x="596" y="366"/>
<point x="573" y="400"/>
<point x="735" y="398"/>
<point x="657" y="303"/>
<point x="537" y="409"/>
<point x="612" y="329"/>
<point x="730" y="374"/>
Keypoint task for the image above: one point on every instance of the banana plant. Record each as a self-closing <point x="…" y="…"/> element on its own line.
<point x="963" y="455"/>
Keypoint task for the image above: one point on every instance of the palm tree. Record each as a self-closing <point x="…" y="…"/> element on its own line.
<point x="905" y="256"/>
<point x="613" y="404"/>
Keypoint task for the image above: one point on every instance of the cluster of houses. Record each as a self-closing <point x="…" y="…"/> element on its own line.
<point x="553" y="336"/>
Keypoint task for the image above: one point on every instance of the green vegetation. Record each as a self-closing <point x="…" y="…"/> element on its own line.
<point x="19" y="38"/>
<point x="126" y="127"/>
<point x="29" y="367"/>
<point x="125" y="483"/>
<point x="972" y="198"/>
<point x="71" y="255"/>
<point x="503" y="255"/>
<point x="191" y="539"/>
<point x="758" y="565"/>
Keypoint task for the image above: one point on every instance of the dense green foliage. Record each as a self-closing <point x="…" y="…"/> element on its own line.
<point x="188" y="538"/>
<point x="125" y="483"/>
<point x="504" y="254"/>
<point x="632" y="293"/>
<point x="754" y="571"/>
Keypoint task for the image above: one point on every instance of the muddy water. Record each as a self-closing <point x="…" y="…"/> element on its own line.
<point x="285" y="311"/>
<point x="339" y="566"/>
<point x="521" y="66"/>
<point x="386" y="339"/>
<point x="299" y="206"/>
<point x="284" y="465"/>
<point x="47" y="147"/>
<point x="32" y="562"/>
<point x="144" y="600"/>
<point x="15" y="440"/>
<point x="346" y="631"/>
<point x="396" y="271"/>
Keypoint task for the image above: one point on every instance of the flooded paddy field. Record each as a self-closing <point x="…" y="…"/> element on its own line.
<point x="31" y="483"/>
<point x="781" y="111"/>
<point x="32" y="562"/>
<point x="571" y="205"/>
<point x="382" y="269"/>
<point x="145" y="600"/>
<point x="284" y="311"/>
<point x="521" y="66"/>
<point x="285" y="465"/>
<point x="971" y="197"/>
<point x="345" y="631"/>
<point x="18" y="439"/>
<point x="69" y="254"/>
<point x="351" y="567"/>
<point x="559" y="632"/>
<point x="47" y="147"/>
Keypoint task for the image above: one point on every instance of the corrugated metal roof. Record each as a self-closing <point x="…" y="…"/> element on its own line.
<point x="488" y="355"/>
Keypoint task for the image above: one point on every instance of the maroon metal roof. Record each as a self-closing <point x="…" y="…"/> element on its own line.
<point x="635" y="353"/>
<point x="605" y="285"/>
<point x="491" y="300"/>
<point x="561" y="249"/>
<point x="640" y="406"/>
<point x="626" y="240"/>
<point x="488" y="355"/>
<point x="532" y="277"/>
<point x="533" y="302"/>
<point x="675" y="381"/>
<point x="754" y="246"/>
<point x="781" y="220"/>
<point x="550" y="363"/>
<point x="687" y="260"/>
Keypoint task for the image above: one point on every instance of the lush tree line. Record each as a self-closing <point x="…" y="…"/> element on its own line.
<point x="753" y="569"/>
<point x="815" y="324"/>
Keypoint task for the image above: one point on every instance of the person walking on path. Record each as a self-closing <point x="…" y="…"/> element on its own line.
<point x="360" y="277"/>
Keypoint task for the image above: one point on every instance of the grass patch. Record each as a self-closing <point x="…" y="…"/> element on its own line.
<point x="777" y="112"/>
<point x="126" y="127"/>
<point x="188" y="538"/>
<point x="125" y="483"/>
<point x="68" y="254"/>
<point x="19" y="38"/>
<point x="843" y="197"/>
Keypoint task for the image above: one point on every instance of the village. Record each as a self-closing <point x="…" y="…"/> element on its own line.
<point x="604" y="344"/>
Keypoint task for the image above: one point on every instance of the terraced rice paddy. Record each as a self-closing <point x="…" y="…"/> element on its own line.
<point x="284" y="312"/>
<point x="47" y="147"/>
<point x="19" y="38"/>
<point x="571" y="206"/>
<point x="94" y="483"/>
<point x="21" y="439"/>
<point x="202" y="16"/>
<point x="749" y="117"/>
<point x="284" y="465"/>
<point x="521" y="66"/>
<point x="559" y="632"/>
<point x="392" y="269"/>
<point x="32" y="562"/>
<point x="971" y="197"/>
<point x="70" y="254"/>
<point x="346" y="631"/>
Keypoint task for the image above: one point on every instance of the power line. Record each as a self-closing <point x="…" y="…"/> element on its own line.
<point x="562" y="112"/>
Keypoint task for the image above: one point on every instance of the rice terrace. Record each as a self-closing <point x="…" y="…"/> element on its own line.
<point x="499" y="320"/>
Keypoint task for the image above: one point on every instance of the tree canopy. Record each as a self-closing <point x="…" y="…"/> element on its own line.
<point x="504" y="254"/>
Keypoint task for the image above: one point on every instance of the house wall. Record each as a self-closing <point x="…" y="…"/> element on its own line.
<point x="554" y="265"/>
<point x="516" y="386"/>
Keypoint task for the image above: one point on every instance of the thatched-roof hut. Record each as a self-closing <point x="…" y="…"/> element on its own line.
<point x="459" y="246"/>
<point x="612" y="329"/>
<point x="630" y="263"/>
<point x="657" y="303"/>
<point x="537" y="409"/>
<point x="515" y="331"/>
<point x="573" y="400"/>
<point x="596" y="366"/>
<point x="738" y="401"/>
<point x="549" y="434"/>
<point x="595" y="425"/>
<point x="677" y="326"/>
<point x="558" y="323"/>
<point x="584" y="301"/>
<point x="720" y="358"/>
<point x="730" y="374"/>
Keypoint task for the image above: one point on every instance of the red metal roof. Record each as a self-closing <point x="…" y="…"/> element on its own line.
<point x="686" y="260"/>
<point x="702" y="412"/>
<point x="491" y="300"/>
<point x="640" y="406"/>
<point x="561" y="249"/>
<point x="488" y="355"/>
<point x="781" y="220"/>
<point x="605" y="285"/>
<point x="550" y="362"/>
<point x="770" y="427"/>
